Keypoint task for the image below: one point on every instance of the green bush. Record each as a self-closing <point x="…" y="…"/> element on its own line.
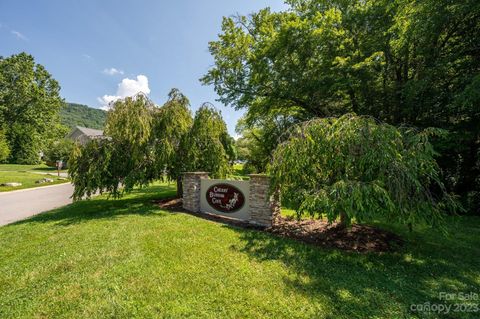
<point x="59" y="150"/>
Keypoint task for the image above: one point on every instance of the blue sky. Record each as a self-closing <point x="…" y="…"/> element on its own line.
<point x="98" y="49"/>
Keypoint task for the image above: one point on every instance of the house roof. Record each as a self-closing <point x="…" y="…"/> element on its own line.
<point x="89" y="131"/>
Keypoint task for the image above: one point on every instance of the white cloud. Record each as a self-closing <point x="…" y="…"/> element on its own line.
<point x="127" y="87"/>
<point x="19" y="35"/>
<point x="112" y="71"/>
<point x="86" y="56"/>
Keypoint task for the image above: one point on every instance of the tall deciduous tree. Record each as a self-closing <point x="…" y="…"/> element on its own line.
<point x="171" y="124"/>
<point x="29" y="107"/>
<point x="355" y="168"/>
<point x="123" y="158"/>
<point x="144" y="142"/>
<point x="413" y="62"/>
<point x="207" y="144"/>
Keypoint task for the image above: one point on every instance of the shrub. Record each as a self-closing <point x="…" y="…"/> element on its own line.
<point x="59" y="150"/>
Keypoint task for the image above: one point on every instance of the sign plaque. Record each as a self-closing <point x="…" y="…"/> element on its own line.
<point x="225" y="198"/>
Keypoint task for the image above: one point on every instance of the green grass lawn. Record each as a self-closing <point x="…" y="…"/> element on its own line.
<point x="127" y="258"/>
<point x="27" y="175"/>
<point x="28" y="168"/>
<point x="237" y="173"/>
<point x="26" y="178"/>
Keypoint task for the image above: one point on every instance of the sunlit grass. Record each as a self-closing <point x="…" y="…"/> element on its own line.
<point x="237" y="172"/>
<point x="22" y="168"/>
<point x="128" y="258"/>
<point x="28" y="168"/>
<point x="27" y="179"/>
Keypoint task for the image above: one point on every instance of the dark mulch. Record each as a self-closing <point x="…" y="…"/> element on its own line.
<point x="359" y="238"/>
<point x="169" y="203"/>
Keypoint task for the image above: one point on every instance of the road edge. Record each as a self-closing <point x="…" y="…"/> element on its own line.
<point x="33" y="188"/>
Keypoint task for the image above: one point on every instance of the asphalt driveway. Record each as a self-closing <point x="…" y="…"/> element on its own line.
<point x="18" y="205"/>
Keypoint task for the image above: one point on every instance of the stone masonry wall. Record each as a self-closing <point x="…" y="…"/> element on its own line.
<point x="263" y="208"/>
<point x="191" y="190"/>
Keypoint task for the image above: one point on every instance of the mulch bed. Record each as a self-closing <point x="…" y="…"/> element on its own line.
<point x="359" y="238"/>
<point x="169" y="203"/>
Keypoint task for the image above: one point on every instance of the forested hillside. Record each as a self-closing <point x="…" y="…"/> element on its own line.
<point x="82" y="115"/>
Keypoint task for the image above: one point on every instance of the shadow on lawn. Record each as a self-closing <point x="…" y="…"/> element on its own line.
<point x="354" y="285"/>
<point x="137" y="202"/>
<point x="348" y="285"/>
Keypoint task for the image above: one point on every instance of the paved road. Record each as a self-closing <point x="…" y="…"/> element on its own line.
<point x="18" y="205"/>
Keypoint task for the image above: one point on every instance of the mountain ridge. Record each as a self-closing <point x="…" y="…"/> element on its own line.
<point x="75" y="114"/>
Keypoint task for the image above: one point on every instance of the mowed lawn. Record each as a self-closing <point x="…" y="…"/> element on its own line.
<point x="21" y="167"/>
<point x="127" y="258"/>
<point x="27" y="175"/>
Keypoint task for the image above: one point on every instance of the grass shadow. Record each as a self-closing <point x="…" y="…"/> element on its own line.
<point x="376" y="285"/>
<point x="138" y="202"/>
<point x="347" y="285"/>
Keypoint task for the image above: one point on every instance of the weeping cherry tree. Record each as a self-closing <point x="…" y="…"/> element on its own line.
<point x="171" y="124"/>
<point x="354" y="168"/>
<point x="120" y="160"/>
<point x="144" y="143"/>
<point x="208" y="146"/>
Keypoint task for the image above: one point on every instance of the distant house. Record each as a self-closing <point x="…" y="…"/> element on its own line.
<point x="83" y="135"/>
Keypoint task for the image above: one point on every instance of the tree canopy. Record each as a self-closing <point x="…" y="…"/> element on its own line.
<point x="170" y="128"/>
<point x="4" y="149"/>
<point x="208" y="145"/>
<point x="355" y="168"/>
<point x="403" y="62"/>
<point x="144" y="142"/>
<point x="58" y="151"/>
<point x="29" y="107"/>
<point x="121" y="160"/>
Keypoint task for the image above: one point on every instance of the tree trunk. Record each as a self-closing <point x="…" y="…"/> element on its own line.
<point x="343" y="219"/>
<point x="179" y="187"/>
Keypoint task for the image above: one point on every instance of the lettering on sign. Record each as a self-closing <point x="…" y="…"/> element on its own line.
<point x="225" y="198"/>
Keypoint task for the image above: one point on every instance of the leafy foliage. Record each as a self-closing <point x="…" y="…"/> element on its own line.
<point x="208" y="146"/>
<point x="243" y="149"/>
<point x="145" y="143"/>
<point x="121" y="161"/>
<point x="25" y="143"/>
<point x="260" y="137"/>
<point x="171" y="125"/>
<point x="59" y="150"/>
<point x="4" y="149"/>
<point x="355" y="168"/>
<point x="29" y="106"/>
<point x="403" y="62"/>
<point x="81" y="115"/>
